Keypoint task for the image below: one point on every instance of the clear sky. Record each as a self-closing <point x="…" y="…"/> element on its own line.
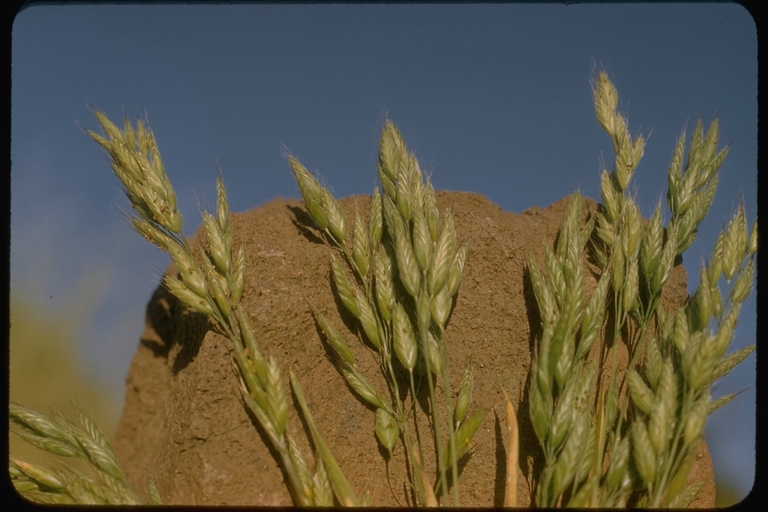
<point x="494" y="99"/>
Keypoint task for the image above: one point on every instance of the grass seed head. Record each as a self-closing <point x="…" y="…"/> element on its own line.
<point x="385" y="288"/>
<point x="361" y="385"/>
<point x="562" y="417"/>
<point x="456" y="272"/>
<point x="431" y="211"/>
<point x="464" y="397"/>
<point x="301" y="470"/>
<point x="752" y="245"/>
<point x="187" y="296"/>
<point x="191" y="274"/>
<point x="254" y="353"/>
<point x="609" y="196"/>
<point x="556" y="276"/>
<point x="662" y="420"/>
<point x="368" y="321"/>
<point x="218" y="289"/>
<point x="347" y="291"/>
<point x="310" y="192"/>
<point x="387" y="183"/>
<point x="564" y="361"/>
<point x="38" y="474"/>
<point x="630" y="290"/>
<point x="652" y="363"/>
<point x="544" y="297"/>
<point x="50" y="445"/>
<point x="641" y="395"/>
<point x="337" y="222"/>
<point x="410" y="275"/>
<point x="395" y="225"/>
<point x="403" y="198"/>
<point x="592" y="319"/>
<point x="587" y="460"/>
<point x="222" y="207"/>
<point x="743" y="285"/>
<point x="220" y="250"/>
<point x="322" y="491"/>
<point x="606" y="99"/>
<point x="422" y="241"/>
<point x="570" y="456"/>
<point x="406" y="347"/>
<point x="721" y="340"/>
<point x="334" y="338"/>
<point x="35" y="422"/>
<point x="725" y="365"/>
<point x="697" y="365"/>
<point x="433" y="352"/>
<point x="643" y="453"/>
<point x="392" y="151"/>
<point x="618" y="468"/>
<point x="277" y="405"/>
<point x="386" y="430"/>
<point x="375" y="221"/>
<point x="464" y="435"/>
<point x="361" y="248"/>
<point x="634" y="231"/>
<point x="611" y="409"/>
<point x="445" y="251"/>
<point x="538" y="411"/>
<point x="699" y="307"/>
<point x="237" y="284"/>
<point x="664" y="269"/>
<point x="697" y="419"/>
<point x="440" y="307"/>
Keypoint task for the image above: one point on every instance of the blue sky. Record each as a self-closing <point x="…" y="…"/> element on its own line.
<point x="494" y="99"/>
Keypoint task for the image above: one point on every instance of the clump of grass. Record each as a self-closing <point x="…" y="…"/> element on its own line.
<point x="612" y="438"/>
<point x="59" y="436"/>
<point x="214" y="288"/>
<point x="406" y="267"/>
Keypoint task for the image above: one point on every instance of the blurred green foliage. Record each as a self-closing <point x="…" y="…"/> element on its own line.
<point x="46" y="372"/>
<point x="727" y="494"/>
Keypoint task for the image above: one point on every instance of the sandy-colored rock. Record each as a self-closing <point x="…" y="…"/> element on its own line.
<point x="185" y="428"/>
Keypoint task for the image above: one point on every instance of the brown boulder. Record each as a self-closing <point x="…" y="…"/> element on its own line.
<point x="185" y="428"/>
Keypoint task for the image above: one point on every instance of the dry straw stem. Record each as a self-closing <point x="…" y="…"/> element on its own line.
<point x="407" y="270"/>
<point x="649" y="448"/>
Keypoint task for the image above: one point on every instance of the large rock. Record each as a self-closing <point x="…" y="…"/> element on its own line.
<point x="185" y="428"/>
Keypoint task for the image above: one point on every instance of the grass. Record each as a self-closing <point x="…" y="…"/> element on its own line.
<point x="406" y="270"/>
<point x="610" y="436"/>
<point x="613" y="437"/>
<point x="67" y="486"/>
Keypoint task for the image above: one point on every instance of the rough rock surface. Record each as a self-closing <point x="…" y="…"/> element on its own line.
<point x="185" y="428"/>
